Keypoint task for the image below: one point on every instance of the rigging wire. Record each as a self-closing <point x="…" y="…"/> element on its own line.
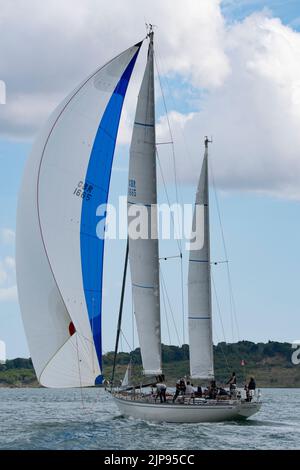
<point x="231" y="296"/>
<point x="170" y="132"/>
<point x="173" y="103"/>
<point x="93" y="362"/>
<point x="165" y="258"/>
<point x="177" y="197"/>
<point x="232" y="302"/>
<point x="132" y="324"/>
<point x="218" y="305"/>
<point x="221" y="321"/>
<point x="164" y="143"/>
<point x="233" y="313"/>
<point x="225" y="357"/>
<point x="166" y="313"/>
<point x="125" y="339"/>
<point x="179" y="248"/>
<point x="192" y="163"/>
<point x="85" y="408"/>
<point x="79" y="372"/>
<point x="122" y="336"/>
<point x="182" y="300"/>
<point x="168" y="199"/>
<point x="170" y="307"/>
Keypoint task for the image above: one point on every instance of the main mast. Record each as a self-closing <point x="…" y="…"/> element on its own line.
<point x="142" y="206"/>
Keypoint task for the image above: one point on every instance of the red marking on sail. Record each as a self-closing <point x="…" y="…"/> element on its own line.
<point x="72" y="328"/>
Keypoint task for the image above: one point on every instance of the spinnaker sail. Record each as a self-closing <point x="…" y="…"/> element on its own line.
<point x="59" y="253"/>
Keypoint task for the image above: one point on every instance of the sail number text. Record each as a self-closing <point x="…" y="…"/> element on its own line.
<point x="84" y="190"/>
<point x="132" y="188"/>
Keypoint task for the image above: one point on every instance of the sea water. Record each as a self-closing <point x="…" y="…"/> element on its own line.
<point x="89" y="419"/>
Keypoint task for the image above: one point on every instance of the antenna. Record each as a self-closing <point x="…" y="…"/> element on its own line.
<point x="207" y="141"/>
<point x="149" y="28"/>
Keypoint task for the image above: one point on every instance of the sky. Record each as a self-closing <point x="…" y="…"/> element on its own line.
<point x="229" y="69"/>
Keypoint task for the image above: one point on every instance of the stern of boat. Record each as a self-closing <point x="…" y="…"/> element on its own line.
<point x="248" y="409"/>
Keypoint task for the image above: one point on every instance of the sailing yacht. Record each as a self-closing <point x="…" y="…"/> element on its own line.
<point x="144" y="268"/>
<point x="60" y="253"/>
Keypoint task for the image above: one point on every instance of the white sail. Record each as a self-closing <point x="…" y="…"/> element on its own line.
<point x="143" y="252"/>
<point x="127" y="377"/>
<point x="59" y="256"/>
<point x="199" y="286"/>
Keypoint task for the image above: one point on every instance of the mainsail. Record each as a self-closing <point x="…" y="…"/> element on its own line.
<point x="199" y="285"/>
<point x="59" y="255"/>
<point x="142" y="200"/>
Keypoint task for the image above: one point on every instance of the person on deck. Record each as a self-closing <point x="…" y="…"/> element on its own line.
<point x="180" y="388"/>
<point x="183" y="384"/>
<point x="213" y="390"/>
<point x="177" y="390"/>
<point x="189" y="390"/>
<point x="161" y="389"/>
<point x="252" y="384"/>
<point x="232" y="382"/>
<point x="222" y="393"/>
<point x="251" y="388"/>
<point x="106" y="383"/>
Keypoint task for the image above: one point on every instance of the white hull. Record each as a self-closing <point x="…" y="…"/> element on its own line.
<point x="187" y="413"/>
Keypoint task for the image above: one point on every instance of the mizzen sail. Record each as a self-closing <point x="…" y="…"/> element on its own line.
<point x="199" y="284"/>
<point x="59" y="255"/>
<point x="142" y="200"/>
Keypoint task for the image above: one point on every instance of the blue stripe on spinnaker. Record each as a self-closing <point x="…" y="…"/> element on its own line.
<point x="97" y="185"/>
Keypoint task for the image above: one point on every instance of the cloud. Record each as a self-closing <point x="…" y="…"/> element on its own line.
<point x="7" y="236"/>
<point x="241" y="79"/>
<point x="3" y="276"/>
<point x="8" y="294"/>
<point x="41" y="59"/>
<point x="254" y="116"/>
<point x="8" y="288"/>
<point x="9" y="261"/>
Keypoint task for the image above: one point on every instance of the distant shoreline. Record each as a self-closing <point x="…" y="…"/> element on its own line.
<point x="270" y="364"/>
